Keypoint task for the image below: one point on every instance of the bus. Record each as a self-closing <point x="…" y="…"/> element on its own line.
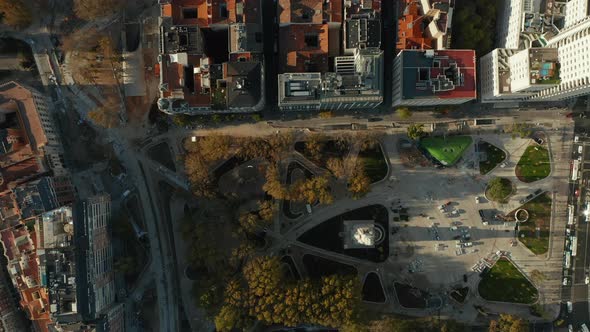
<point x="575" y="169"/>
<point x="570" y="218"/>
<point x="567" y="260"/>
<point x="574" y="245"/>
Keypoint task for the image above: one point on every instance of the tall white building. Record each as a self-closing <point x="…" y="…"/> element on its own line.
<point x="512" y="75"/>
<point x="549" y="63"/>
<point x="573" y="45"/>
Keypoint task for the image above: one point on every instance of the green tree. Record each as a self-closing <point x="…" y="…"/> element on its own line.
<point x="212" y="147"/>
<point x="359" y="183"/>
<point x="197" y="170"/>
<point x="314" y="147"/>
<point x="311" y="190"/>
<point x="416" y="131"/>
<point x="266" y="210"/>
<point x="499" y="189"/>
<point x="273" y="185"/>
<point x="15" y="13"/>
<point x="336" y="166"/>
<point x="94" y="9"/>
<point x="403" y="112"/>
<point x="265" y="295"/>
<point x="509" y="323"/>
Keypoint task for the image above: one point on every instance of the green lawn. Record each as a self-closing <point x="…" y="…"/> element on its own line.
<point x="373" y="162"/>
<point x="495" y="156"/>
<point x="539" y="217"/>
<point x="504" y="282"/>
<point x="534" y="164"/>
<point x="446" y="150"/>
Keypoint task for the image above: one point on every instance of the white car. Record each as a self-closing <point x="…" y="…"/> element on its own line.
<point x="476" y="199"/>
<point x="576" y="139"/>
<point x="570" y="307"/>
<point x="587" y="280"/>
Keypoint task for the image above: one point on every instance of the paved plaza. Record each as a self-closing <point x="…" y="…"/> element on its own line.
<point x="424" y="250"/>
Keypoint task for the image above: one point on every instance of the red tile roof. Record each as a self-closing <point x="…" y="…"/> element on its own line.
<point x="174" y="75"/>
<point x="177" y="9"/>
<point x="303" y="48"/>
<point x="410" y="29"/>
<point x="309" y="11"/>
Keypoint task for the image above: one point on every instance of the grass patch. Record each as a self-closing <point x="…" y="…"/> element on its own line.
<point x="534" y="164"/>
<point x="373" y="161"/>
<point x="494" y="154"/>
<point x="447" y="150"/>
<point x="504" y="282"/>
<point x="534" y="233"/>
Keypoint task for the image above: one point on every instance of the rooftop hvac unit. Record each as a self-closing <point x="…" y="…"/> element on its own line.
<point x="429" y="53"/>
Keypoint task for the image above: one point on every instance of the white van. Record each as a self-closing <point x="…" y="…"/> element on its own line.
<point x="570" y="307"/>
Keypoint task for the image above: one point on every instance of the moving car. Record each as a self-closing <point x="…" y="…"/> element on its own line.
<point x="570" y="307"/>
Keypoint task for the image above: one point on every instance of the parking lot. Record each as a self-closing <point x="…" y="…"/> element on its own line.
<point x="451" y="226"/>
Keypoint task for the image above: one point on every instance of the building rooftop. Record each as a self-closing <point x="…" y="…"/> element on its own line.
<point x="245" y="38"/>
<point x="305" y="48"/>
<point x="543" y="66"/>
<point x="300" y="88"/>
<point x="242" y="83"/>
<point x="440" y="74"/>
<point x="186" y="12"/>
<point x="309" y="11"/>
<point x="35" y="197"/>
<point x="27" y="111"/>
<point x="363" y="32"/>
<point x="425" y="24"/>
<point x="193" y="53"/>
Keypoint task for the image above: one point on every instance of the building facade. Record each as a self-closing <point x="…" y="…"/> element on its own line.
<point x="96" y="284"/>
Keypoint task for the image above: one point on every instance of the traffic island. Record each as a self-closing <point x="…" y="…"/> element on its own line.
<point x="505" y="283"/>
<point x="499" y="190"/>
<point x="534" y="164"/>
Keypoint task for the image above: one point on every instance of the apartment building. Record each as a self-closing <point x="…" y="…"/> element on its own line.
<point x="553" y="35"/>
<point x="210" y="57"/>
<point x="425" y="24"/>
<point x="94" y="256"/>
<point x="329" y="55"/>
<point x="512" y="74"/>
<point x="434" y="77"/>
<point x="26" y="125"/>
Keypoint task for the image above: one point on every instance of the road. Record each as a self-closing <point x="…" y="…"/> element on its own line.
<point x="577" y="293"/>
